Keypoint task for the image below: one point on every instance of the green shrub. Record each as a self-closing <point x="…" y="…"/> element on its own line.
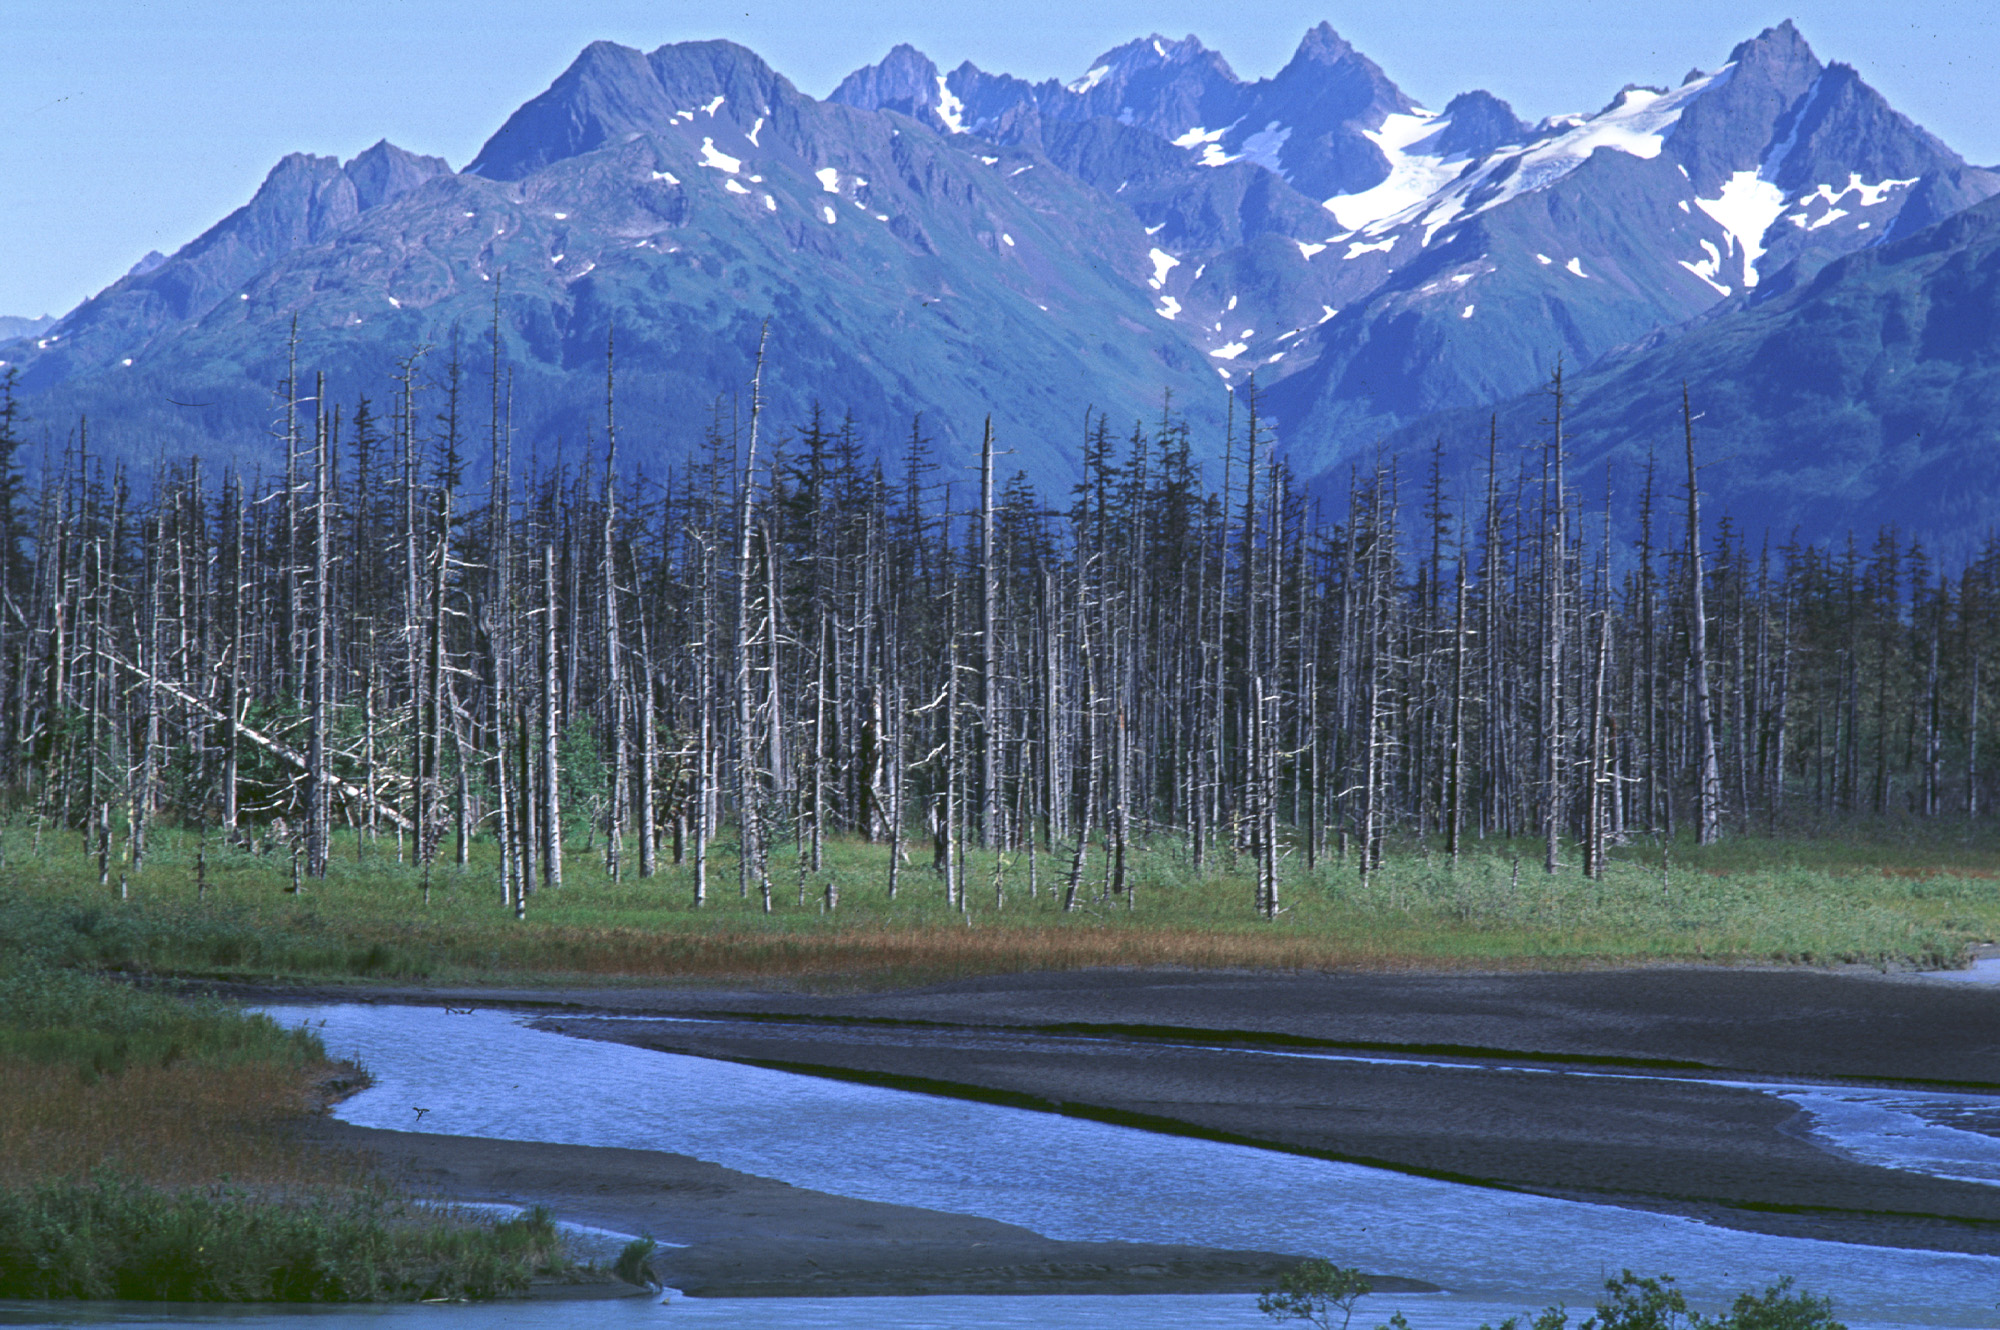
<point x="113" y="1238"/>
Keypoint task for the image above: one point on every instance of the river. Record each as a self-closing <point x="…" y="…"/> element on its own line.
<point x="489" y="1073"/>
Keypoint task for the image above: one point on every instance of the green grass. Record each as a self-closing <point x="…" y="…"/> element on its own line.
<point x="114" y="1238"/>
<point x="1886" y="895"/>
<point x="122" y="1109"/>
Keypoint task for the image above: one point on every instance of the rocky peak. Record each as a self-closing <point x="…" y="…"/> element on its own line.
<point x="611" y="92"/>
<point x="1843" y="127"/>
<point x="606" y="90"/>
<point x="1478" y="123"/>
<point x="1732" y="125"/>
<point x="1322" y="46"/>
<point x="385" y="172"/>
<point x="905" y="81"/>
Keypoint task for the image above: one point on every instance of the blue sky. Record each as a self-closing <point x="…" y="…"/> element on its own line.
<point x="129" y="125"/>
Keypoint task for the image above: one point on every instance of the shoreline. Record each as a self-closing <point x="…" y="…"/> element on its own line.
<point x="748" y="1236"/>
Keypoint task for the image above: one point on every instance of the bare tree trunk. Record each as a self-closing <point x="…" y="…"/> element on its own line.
<point x="1709" y="774"/>
<point x="989" y="656"/>
<point x="318" y="806"/>
<point x="1455" y="748"/>
<point x="750" y="857"/>
<point x="649" y="755"/>
<point x="551" y="811"/>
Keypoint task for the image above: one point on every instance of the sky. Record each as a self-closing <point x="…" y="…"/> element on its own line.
<point x="133" y="125"/>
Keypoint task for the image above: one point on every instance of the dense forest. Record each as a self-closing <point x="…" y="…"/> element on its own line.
<point x="783" y="641"/>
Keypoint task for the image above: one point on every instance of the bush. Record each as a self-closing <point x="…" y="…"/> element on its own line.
<point x="1318" y="1291"/>
<point x="1633" y="1303"/>
<point x="1314" y="1292"/>
<point x="114" y="1238"/>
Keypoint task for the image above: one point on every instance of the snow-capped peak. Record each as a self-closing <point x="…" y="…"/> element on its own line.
<point x="1637" y="122"/>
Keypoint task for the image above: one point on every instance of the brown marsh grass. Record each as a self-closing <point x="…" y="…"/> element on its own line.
<point x="172" y="1126"/>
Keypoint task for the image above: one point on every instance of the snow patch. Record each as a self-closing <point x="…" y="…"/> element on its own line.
<point x="668" y="176"/>
<point x="1307" y="251"/>
<point x="127" y="362"/>
<point x="1229" y="351"/>
<point x="1869" y="195"/>
<point x="1326" y="312"/>
<point x="1196" y="137"/>
<point x="1017" y="170"/>
<point x="755" y="130"/>
<point x="829" y="179"/>
<point x="562" y="216"/>
<point x="1874" y="194"/>
<point x="949" y="108"/>
<point x="1231" y="304"/>
<point x="1163" y="263"/>
<point x="1272" y="360"/>
<point x="1169" y="307"/>
<point x="392" y="300"/>
<point x="735" y="187"/>
<point x="1155" y="229"/>
<point x="1710" y="268"/>
<point x="1466" y="313"/>
<point x="1006" y="240"/>
<point x="1264" y="146"/>
<point x="990" y="161"/>
<point x="714" y="105"/>
<point x="1414" y="175"/>
<point x="827" y="212"/>
<point x="1090" y="80"/>
<point x="714" y="160"/>
<point x="1360" y="247"/>
<point x="1745" y="209"/>
<point x="1576" y="266"/>
<point x="1544" y="260"/>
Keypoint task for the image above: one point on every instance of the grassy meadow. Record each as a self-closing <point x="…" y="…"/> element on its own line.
<point x="1887" y="895"/>
<point x="148" y="1151"/>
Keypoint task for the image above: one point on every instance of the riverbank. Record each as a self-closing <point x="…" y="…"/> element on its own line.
<point x="743" y="1236"/>
<point x="150" y="1150"/>
<point x="1591" y="1086"/>
<point x="205" y="909"/>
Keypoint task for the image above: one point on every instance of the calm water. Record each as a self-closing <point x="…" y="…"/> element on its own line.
<point x="489" y="1074"/>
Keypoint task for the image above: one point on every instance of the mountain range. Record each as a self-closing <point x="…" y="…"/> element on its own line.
<point x="926" y="249"/>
